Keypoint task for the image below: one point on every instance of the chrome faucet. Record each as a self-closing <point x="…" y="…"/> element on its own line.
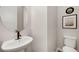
<point x="18" y="35"/>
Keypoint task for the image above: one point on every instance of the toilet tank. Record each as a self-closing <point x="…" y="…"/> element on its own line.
<point x="70" y="41"/>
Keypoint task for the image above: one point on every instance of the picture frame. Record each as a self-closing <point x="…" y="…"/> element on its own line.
<point x="69" y="21"/>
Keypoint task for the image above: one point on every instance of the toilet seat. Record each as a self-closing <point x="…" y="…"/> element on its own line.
<point x="68" y="49"/>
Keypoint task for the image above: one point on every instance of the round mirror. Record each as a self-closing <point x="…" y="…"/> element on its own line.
<point x="69" y="10"/>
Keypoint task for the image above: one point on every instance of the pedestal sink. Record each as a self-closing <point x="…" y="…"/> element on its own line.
<point x="16" y="45"/>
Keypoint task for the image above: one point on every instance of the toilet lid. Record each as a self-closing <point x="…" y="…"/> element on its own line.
<point x="68" y="49"/>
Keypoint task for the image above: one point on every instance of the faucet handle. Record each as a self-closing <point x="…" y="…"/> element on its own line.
<point x="17" y="31"/>
<point x="18" y="34"/>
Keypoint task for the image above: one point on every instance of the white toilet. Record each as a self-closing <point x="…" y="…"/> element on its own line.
<point x="69" y="44"/>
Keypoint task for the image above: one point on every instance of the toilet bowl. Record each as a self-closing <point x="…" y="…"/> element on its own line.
<point x="69" y="44"/>
<point x="68" y="49"/>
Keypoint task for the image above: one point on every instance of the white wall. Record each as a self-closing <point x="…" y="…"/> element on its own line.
<point x="52" y="28"/>
<point x="27" y="22"/>
<point x="43" y="25"/>
<point x="61" y="32"/>
<point x="39" y="28"/>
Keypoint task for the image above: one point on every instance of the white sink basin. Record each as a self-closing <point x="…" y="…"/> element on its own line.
<point x="16" y="45"/>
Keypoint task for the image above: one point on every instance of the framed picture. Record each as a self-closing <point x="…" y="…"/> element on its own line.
<point x="69" y="21"/>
